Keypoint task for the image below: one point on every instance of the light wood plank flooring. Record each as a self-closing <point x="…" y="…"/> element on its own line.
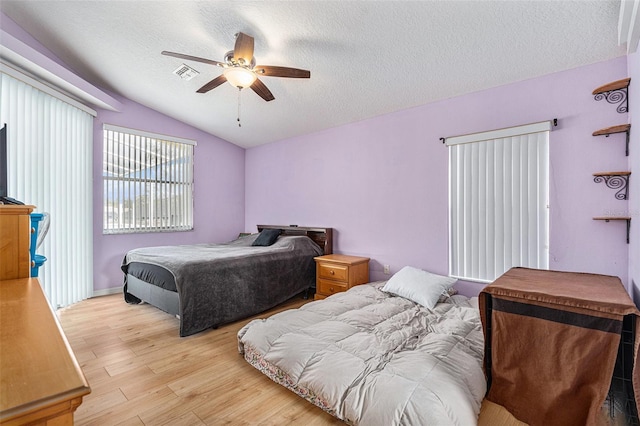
<point x="142" y="373"/>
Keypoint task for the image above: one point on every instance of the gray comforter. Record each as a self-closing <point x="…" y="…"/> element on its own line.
<point x="221" y="283"/>
<point x="371" y="358"/>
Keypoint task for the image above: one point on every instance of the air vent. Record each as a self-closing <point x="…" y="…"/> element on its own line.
<point x="185" y="72"/>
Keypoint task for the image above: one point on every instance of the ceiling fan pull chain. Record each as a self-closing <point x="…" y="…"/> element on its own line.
<point x="239" y="90"/>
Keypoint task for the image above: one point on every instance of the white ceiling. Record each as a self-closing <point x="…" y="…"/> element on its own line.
<point x="367" y="58"/>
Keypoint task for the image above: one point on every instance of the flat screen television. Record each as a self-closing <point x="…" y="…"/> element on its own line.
<point x="3" y="162"/>
<point x="4" y="169"/>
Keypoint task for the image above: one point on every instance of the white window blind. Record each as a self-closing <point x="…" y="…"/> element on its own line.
<point x="50" y="166"/>
<point x="147" y="182"/>
<point x="498" y="201"/>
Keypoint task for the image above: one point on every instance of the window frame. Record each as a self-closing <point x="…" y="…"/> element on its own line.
<point x="158" y="170"/>
<point x="459" y="265"/>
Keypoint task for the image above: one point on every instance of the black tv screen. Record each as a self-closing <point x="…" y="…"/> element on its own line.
<point x="3" y="162"/>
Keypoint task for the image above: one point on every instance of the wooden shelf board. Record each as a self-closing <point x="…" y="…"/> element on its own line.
<point x="612" y="174"/>
<point x="615" y="85"/>
<point x="621" y="128"/>
<point x="610" y="218"/>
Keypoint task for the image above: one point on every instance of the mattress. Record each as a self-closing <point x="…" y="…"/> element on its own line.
<point x="153" y="274"/>
<point x="371" y="358"/>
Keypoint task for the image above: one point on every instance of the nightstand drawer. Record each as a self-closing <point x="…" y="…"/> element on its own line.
<point x="333" y="272"/>
<point x="330" y="287"/>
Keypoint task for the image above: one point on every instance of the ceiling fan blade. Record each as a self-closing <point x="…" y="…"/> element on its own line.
<point x="243" y="49"/>
<point x="192" y="58"/>
<point x="212" y="84"/>
<point x="272" y="71"/>
<point x="262" y="90"/>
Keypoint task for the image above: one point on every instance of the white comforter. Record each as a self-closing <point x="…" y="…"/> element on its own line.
<point x="371" y="358"/>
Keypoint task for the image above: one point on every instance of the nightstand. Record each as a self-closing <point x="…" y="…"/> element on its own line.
<point x="339" y="272"/>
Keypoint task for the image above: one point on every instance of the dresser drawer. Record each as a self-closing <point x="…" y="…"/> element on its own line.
<point x="333" y="272"/>
<point x="330" y="287"/>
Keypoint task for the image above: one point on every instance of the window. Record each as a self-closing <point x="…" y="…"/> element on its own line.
<point x="498" y="201"/>
<point x="148" y="182"/>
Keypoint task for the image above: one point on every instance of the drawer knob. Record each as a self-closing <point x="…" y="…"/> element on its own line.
<point x="331" y="290"/>
<point x="332" y="272"/>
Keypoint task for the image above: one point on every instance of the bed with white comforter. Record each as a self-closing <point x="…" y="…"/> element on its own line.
<point x="372" y="358"/>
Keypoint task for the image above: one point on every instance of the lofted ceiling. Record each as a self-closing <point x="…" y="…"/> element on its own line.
<point x="366" y="58"/>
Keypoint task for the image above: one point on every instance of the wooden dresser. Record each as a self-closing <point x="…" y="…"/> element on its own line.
<point x="15" y="236"/>
<point x="41" y="382"/>
<point x="339" y="272"/>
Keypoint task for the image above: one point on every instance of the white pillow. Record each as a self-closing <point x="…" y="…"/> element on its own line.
<point x="419" y="286"/>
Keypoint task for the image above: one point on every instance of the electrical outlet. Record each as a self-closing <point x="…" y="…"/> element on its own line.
<point x="386" y="269"/>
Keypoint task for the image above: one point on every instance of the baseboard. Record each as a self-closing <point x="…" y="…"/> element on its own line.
<point x="107" y="291"/>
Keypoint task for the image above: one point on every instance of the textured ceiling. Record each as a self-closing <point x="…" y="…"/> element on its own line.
<point x="366" y="58"/>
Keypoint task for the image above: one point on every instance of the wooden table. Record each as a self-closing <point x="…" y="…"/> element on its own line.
<point x="40" y="379"/>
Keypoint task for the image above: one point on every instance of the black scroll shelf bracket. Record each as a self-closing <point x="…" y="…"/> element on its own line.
<point x="610" y="218"/>
<point x="622" y="128"/>
<point x="615" y="93"/>
<point x="615" y="180"/>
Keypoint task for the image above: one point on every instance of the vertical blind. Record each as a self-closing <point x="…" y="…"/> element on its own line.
<point x="50" y="160"/>
<point x="147" y="182"/>
<point x="498" y="203"/>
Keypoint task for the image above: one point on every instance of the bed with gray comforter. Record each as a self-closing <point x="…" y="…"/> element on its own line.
<point x="371" y="358"/>
<point x="212" y="284"/>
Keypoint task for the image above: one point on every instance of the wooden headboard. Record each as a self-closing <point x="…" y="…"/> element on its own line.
<point x="323" y="237"/>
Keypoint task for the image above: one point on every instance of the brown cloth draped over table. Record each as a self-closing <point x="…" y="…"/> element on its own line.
<point x="553" y="343"/>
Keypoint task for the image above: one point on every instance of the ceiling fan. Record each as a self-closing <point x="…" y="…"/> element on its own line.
<point x="240" y="69"/>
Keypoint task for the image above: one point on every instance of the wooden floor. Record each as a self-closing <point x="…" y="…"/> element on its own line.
<point x="142" y="373"/>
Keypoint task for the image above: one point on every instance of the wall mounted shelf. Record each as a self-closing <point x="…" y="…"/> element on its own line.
<point x="615" y="180"/>
<point x="622" y="128"/>
<point x="615" y="93"/>
<point x="609" y="218"/>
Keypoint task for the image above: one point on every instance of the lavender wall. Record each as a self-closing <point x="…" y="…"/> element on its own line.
<point x="634" y="165"/>
<point x="382" y="183"/>
<point x="218" y="191"/>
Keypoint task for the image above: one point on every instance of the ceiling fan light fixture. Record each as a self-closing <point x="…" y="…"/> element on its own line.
<point x="242" y="72"/>
<point x="240" y="77"/>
